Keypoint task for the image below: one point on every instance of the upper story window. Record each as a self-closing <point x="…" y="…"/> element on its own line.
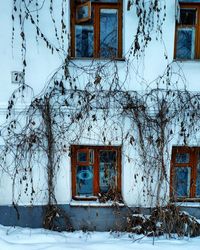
<point x="187" y="44"/>
<point x="95" y="169"/>
<point x="96" y="28"/>
<point x="185" y="173"/>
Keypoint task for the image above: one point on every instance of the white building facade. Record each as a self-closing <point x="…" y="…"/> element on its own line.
<point x="97" y="50"/>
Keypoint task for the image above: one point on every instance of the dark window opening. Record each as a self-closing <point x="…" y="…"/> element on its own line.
<point x="185" y="173"/>
<point x="95" y="169"/>
<point x="96" y="29"/>
<point x="187" y="39"/>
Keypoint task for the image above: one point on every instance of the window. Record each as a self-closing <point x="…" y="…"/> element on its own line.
<point x="95" y="169"/>
<point x="185" y="173"/>
<point x="187" y="42"/>
<point x="96" y="28"/>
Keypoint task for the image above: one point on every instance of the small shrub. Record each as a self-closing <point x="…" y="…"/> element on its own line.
<point x="164" y="220"/>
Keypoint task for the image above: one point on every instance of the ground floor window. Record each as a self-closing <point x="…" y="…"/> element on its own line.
<point x="95" y="170"/>
<point x="185" y="173"/>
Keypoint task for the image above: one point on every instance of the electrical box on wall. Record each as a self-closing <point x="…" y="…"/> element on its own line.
<point x="17" y="77"/>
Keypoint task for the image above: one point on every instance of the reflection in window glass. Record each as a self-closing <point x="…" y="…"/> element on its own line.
<point x="84" y="180"/>
<point x="182" y="158"/>
<point x="106" y="1"/>
<point x="182" y="181"/>
<point x="82" y="12"/>
<point x="81" y="156"/>
<point x="198" y="177"/>
<point x="185" y="44"/>
<point x="84" y="40"/>
<point x="100" y="1"/>
<point x="107" y="168"/>
<point x="188" y="16"/>
<point x="108" y="32"/>
<point x="91" y="155"/>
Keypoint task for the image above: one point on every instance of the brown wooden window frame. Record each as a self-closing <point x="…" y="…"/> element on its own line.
<point x="97" y="6"/>
<point x="197" y="30"/>
<point x="194" y="154"/>
<point x="95" y="164"/>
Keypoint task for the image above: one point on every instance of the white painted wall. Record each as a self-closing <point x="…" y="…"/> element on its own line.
<point x="41" y="65"/>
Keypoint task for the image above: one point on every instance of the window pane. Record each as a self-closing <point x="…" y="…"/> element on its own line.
<point x="185" y="44"/>
<point x="84" y="35"/>
<point x="82" y="12"/>
<point x="91" y="152"/>
<point x="84" y="180"/>
<point x="182" y="181"/>
<point x="81" y="156"/>
<point x="198" y="177"/>
<point x="107" y="168"/>
<point x="106" y="1"/>
<point x="99" y="1"/>
<point x="108" y="32"/>
<point x="182" y="158"/>
<point x="188" y="16"/>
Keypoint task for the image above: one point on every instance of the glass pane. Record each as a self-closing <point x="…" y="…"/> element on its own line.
<point x="188" y="16"/>
<point x="84" y="35"/>
<point x="98" y="1"/>
<point x="81" y="156"/>
<point x="182" y="158"/>
<point x="182" y="181"/>
<point x="91" y="156"/>
<point x="106" y="1"/>
<point x="198" y="178"/>
<point x="107" y="168"/>
<point x="82" y="12"/>
<point x="84" y="180"/>
<point x="185" y="44"/>
<point x="108" y="32"/>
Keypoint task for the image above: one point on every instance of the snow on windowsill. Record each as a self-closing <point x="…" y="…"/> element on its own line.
<point x="97" y="59"/>
<point x="186" y="60"/>
<point x="187" y="204"/>
<point x="94" y="204"/>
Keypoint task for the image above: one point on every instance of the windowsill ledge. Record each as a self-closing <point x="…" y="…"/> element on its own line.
<point x="80" y="203"/>
<point x="187" y="60"/>
<point x="123" y="59"/>
<point x="187" y="204"/>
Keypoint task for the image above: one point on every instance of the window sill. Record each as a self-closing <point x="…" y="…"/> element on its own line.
<point x="187" y="203"/>
<point x="123" y="59"/>
<point x="82" y="203"/>
<point x="185" y="200"/>
<point x="186" y="60"/>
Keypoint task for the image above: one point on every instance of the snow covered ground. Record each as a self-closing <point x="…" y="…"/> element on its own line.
<point x="39" y="239"/>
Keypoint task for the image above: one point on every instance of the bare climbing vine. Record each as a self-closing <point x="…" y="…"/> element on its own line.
<point x="151" y="17"/>
<point x="39" y="137"/>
